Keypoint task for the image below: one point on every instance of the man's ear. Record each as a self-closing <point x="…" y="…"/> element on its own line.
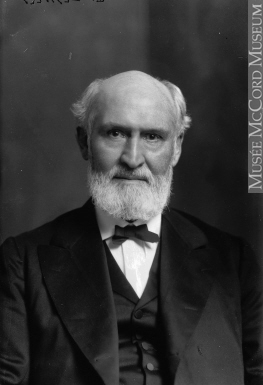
<point x="82" y="139"/>
<point x="177" y="149"/>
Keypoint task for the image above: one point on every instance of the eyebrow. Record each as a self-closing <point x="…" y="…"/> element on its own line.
<point x="111" y="126"/>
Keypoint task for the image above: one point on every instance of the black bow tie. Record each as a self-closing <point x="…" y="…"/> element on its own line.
<point x="140" y="232"/>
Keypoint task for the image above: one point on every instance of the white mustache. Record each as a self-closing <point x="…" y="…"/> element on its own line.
<point x="131" y="176"/>
<point x="141" y="174"/>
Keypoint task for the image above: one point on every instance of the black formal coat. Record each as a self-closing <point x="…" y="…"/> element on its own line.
<point x="58" y="322"/>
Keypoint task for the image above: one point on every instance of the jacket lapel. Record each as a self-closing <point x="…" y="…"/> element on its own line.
<point x="75" y="270"/>
<point x="186" y="282"/>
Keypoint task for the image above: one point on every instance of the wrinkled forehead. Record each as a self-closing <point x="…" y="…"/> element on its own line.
<point x="135" y="85"/>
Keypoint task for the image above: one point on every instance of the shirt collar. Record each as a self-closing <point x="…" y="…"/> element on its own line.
<point x="107" y="223"/>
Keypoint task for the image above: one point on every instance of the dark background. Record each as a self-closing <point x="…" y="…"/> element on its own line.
<point x="52" y="51"/>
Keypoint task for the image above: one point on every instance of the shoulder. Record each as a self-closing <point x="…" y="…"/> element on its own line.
<point x="64" y="225"/>
<point x="230" y="253"/>
<point x="194" y="230"/>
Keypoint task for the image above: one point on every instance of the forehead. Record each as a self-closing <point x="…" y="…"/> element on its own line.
<point x="136" y="102"/>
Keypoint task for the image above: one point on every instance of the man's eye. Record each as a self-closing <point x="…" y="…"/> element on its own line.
<point x="116" y="134"/>
<point x="152" y="137"/>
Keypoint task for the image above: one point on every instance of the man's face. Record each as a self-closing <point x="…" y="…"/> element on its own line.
<point x="133" y="129"/>
<point x="134" y="144"/>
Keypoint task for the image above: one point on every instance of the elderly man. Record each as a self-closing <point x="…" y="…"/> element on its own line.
<point x="122" y="291"/>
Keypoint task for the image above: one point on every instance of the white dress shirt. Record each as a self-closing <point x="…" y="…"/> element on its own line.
<point x="133" y="256"/>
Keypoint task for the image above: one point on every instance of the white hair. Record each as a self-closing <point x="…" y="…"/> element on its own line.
<point x="182" y="120"/>
<point x="85" y="108"/>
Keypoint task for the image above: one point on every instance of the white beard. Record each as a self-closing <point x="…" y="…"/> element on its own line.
<point x="130" y="201"/>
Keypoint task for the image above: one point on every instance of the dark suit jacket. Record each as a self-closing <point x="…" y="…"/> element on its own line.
<point x="58" y="324"/>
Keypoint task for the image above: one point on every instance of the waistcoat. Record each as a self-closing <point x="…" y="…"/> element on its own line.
<point x="140" y="330"/>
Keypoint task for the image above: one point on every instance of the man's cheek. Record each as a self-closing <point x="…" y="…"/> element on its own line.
<point x="162" y="166"/>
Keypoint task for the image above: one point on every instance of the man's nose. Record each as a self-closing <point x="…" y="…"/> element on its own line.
<point x="132" y="154"/>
